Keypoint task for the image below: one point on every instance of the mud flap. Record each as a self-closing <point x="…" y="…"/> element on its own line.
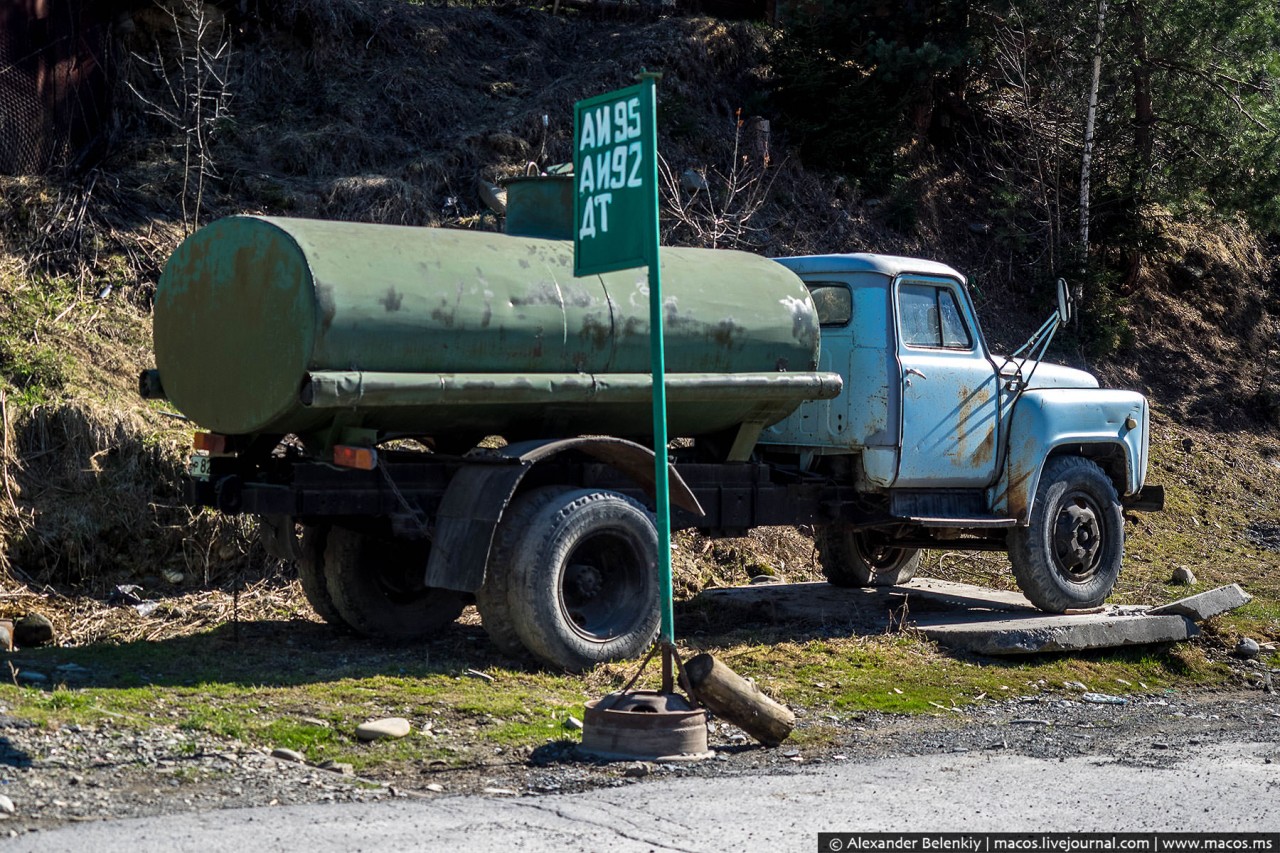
<point x="1148" y="499"/>
<point x="480" y="492"/>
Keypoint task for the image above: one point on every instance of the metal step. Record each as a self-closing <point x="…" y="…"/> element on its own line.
<point x="974" y="523"/>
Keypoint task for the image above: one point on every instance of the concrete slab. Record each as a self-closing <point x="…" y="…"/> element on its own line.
<point x="1205" y="605"/>
<point x="978" y="619"/>
<point x="826" y="604"/>
<point x="1036" y="634"/>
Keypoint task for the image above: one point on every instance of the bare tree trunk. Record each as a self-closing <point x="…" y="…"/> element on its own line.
<point x="1144" y="116"/>
<point x="1090" y="117"/>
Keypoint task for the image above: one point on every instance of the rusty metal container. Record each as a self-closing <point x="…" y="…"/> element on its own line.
<point x="266" y="325"/>
<point x="540" y="206"/>
<point x="644" y="725"/>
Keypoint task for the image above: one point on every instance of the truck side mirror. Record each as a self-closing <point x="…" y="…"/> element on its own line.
<point x="1065" y="303"/>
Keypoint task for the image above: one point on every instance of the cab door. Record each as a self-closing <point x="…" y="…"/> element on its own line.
<point x="950" y="405"/>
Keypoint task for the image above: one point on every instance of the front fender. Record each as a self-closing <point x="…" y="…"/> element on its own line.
<point x="1089" y="421"/>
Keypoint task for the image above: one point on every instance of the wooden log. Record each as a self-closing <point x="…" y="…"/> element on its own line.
<point x="731" y="697"/>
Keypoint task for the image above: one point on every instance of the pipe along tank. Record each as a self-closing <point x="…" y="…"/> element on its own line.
<point x="274" y="326"/>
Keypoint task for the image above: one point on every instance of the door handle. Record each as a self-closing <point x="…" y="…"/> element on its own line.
<point x="911" y="371"/>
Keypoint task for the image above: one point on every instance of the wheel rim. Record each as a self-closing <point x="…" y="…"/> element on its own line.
<point x="877" y="554"/>
<point x="602" y="586"/>
<point x="398" y="569"/>
<point x="1078" y="537"/>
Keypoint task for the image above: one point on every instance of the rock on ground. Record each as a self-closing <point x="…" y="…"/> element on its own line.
<point x="391" y="727"/>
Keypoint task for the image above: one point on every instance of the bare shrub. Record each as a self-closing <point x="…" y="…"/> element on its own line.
<point x="196" y="94"/>
<point x="714" y="208"/>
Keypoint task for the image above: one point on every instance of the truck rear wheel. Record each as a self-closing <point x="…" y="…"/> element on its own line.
<point x="1069" y="556"/>
<point x="863" y="558"/>
<point x="311" y="574"/>
<point x="376" y="586"/>
<point x="492" y="597"/>
<point x="583" y="585"/>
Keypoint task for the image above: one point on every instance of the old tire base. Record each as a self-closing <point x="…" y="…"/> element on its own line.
<point x="1069" y="556"/>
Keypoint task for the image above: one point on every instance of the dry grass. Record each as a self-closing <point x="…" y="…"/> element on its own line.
<point x="81" y="620"/>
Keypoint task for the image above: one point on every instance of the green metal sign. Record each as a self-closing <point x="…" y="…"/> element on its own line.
<point x="615" y="185"/>
<point x="615" y="174"/>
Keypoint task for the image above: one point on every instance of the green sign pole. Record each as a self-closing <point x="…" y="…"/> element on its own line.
<point x="616" y="227"/>
<point x="658" y="362"/>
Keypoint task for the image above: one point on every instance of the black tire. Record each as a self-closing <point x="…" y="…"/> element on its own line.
<point x="583" y="581"/>
<point x="863" y="558"/>
<point x="492" y="597"/>
<point x="1069" y="557"/>
<point x="376" y="586"/>
<point x="311" y="574"/>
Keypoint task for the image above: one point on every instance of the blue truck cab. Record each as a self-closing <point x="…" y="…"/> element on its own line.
<point x="951" y="445"/>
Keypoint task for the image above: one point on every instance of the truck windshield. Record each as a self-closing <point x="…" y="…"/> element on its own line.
<point x="931" y="317"/>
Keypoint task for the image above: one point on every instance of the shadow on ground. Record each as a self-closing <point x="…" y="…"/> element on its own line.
<point x="297" y="651"/>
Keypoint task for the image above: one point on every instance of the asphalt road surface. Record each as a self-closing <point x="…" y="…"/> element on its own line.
<point x="1226" y="786"/>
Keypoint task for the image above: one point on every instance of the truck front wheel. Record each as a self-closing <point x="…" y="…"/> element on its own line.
<point x="376" y="586"/>
<point x="1069" y="556"/>
<point x="863" y="558"/>
<point x="582" y="583"/>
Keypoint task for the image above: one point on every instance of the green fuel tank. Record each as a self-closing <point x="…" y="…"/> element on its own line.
<point x="274" y="326"/>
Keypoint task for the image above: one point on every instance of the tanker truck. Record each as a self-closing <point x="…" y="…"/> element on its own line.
<point x="423" y="418"/>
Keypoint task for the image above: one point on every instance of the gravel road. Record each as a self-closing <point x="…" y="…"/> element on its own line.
<point x="1200" y="775"/>
<point x="101" y="774"/>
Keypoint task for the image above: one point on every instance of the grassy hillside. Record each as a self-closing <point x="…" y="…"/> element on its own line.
<point x="383" y="111"/>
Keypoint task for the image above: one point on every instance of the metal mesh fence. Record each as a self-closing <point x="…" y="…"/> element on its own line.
<point x="27" y="134"/>
<point x="52" y="81"/>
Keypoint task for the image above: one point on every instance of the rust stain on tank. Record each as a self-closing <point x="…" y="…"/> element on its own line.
<point x="596" y="331"/>
<point x="725" y="332"/>
<point x="443" y="316"/>
<point x="542" y="293"/>
<point x="325" y="305"/>
<point x="391" y="300"/>
<point x="244" y="271"/>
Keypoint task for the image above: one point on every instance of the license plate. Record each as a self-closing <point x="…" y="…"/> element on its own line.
<point x="199" y="467"/>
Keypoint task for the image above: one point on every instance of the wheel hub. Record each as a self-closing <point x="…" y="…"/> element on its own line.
<point x="1077" y="538"/>
<point x="877" y="554"/>
<point x="599" y="586"/>
<point x="585" y="581"/>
